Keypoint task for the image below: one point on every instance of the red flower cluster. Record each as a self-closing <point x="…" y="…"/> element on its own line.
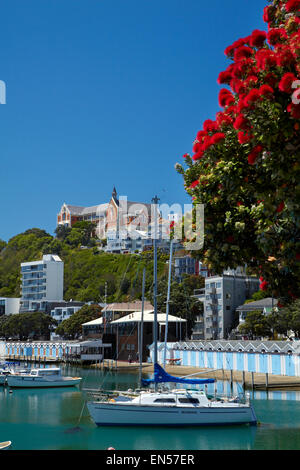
<point x="292" y="5"/>
<point x="263" y="65"/>
<point x="276" y="35"/>
<point x="286" y="82"/>
<point x="263" y="285"/>
<point x="254" y="154"/>
<point x="194" y="184"/>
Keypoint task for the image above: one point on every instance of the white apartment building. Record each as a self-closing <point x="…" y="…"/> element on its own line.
<point x="62" y="313"/>
<point x="223" y="294"/>
<point x="42" y="281"/>
<point x="9" y="305"/>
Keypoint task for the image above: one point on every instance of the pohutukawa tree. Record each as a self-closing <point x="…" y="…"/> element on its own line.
<point x="245" y="164"/>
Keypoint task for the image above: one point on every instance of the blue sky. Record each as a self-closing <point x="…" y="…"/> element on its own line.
<point x="104" y="93"/>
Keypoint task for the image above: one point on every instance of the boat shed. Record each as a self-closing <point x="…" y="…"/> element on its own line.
<point x="127" y="332"/>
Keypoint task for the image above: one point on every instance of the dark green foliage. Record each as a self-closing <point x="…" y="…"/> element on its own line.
<point x="27" y="325"/>
<point x="72" y="327"/>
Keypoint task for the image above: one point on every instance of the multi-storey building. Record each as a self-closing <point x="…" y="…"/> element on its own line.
<point x="111" y="216"/>
<point x="9" y="306"/>
<point x="65" y="310"/>
<point x="187" y="265"/>
<point x="42" y="282"/>
<point x="223" y="294"/>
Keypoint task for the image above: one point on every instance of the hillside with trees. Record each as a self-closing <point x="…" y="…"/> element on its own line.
<point x="88" y="271"/>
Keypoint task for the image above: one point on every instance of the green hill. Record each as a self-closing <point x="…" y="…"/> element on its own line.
<point x="87" y="270"/>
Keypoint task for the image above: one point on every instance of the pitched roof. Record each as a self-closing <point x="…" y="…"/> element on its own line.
<point x="148" y="317"/>
<point x="79" y="210"/>
<point x="268" y="302"/>
<point x="127" y="306"/>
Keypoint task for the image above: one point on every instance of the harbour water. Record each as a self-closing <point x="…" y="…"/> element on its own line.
<point x="57" y="419"/>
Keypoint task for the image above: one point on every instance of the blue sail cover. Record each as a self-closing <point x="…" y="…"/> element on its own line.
<point x="161" y="376"/>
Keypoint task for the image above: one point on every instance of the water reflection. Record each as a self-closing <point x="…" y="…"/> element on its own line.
<point x="59" y="419"/>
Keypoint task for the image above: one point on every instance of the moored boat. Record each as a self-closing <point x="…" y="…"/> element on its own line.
<point x="178" y="407"/>
<point x="5" y="445"/>
<point x="37" y="378"/>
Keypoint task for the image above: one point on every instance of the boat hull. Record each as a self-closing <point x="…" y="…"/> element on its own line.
<point x="106" y="414"/>
<point x="5" y="445"/>
<point x="2" y="379"/>
<point x="38" y="382"/>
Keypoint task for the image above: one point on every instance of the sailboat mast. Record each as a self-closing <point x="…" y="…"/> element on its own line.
<point x="168" y="302"/>
<point x="142" y="330"/>
<point x="155" y="201"/>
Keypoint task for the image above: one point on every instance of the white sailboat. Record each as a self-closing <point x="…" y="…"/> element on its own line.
<point x="163" y="407"/>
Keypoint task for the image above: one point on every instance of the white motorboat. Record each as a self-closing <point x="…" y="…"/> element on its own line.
<point x="5" y="445"/>
<point x="37" y="378"/>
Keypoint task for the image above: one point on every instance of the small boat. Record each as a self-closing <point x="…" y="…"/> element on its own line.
<point x="38" y="378"/>
<point x="5" y="445"/>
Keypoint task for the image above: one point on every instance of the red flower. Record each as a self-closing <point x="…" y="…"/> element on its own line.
<point x="264" y="285"/>
<point x="242" y="52"/>
<point x="198" y="155"/>
<point x="197" y="147"/>
<point x="252" y="97"/>
<point x="294" y="110"/>
<point x="292" y="5"/>
<point x="254" y="154"/>
<point x="229" y="51"/>
<point x="194" y="184"/>
<point x="251" y="81"/>
<point x="224" y="77"/>
<point x="258" y="38"/>
<point x="200" y="136"/>
<point x="237" y="85"/>
<point x="224" y="94"/>
<point x="241" y="123"/>
<point x="276" y="35"/>
<point x="218" y="137"/>
<point x="223" y="119"/>
<point x="285" y="57"/>
<point x="186" y="155"/>
<point x="266" y="15"/>
<point x="244" y="138"/>
<point x="210" y="126"/>
<point x="286" y="82"/>
<point x="266" y="90"/>
<point x="280" y="207"/>
<point x="207" y="143"/>
<point x="266" y="58"/>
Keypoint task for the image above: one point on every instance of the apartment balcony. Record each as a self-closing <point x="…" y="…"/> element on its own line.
<point x="211" y="290"/>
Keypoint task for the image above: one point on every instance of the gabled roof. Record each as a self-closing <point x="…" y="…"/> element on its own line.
<point x="127" y="306"/>
<point x="148" y="317"/>
<point x="79" y="210"/>
<point x="268" y="302"/>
